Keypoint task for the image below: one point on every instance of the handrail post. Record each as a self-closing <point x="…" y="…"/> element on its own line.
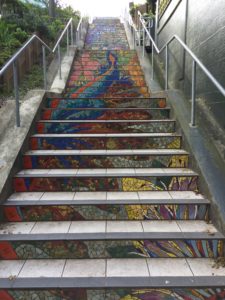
<point x="193" y="94"/>
<point x="16" y="90"/>
<point x="67" y="40"/>
<point x="139" y="30"/>
<point x="59" y="59"/>
<point x="44" y="67"/>
<point x="71" y="33"/>
<point x="143" y="41"/>
<point x="166" y="68"/>
<point x="152" y="62"/>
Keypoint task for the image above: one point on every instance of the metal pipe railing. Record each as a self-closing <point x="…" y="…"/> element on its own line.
<point x="13" y="61"/>
<point x="195" y="62"/>
<point x="79" y="30"/>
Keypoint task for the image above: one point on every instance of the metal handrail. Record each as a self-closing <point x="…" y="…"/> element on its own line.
<point x="13" y="61"/>
<point x="70" y="23"/>
<point x="195" y="62"/>
<point x="79" y="29"/>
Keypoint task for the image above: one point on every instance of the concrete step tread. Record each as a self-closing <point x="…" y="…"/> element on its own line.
<point x="90" y="270"/>
<point x="110" y="135"/>
<point x="103" y="229"/>
<point x="110" y="152"/>
<point x="84" y="198"/>
<point x="114" y="172"/>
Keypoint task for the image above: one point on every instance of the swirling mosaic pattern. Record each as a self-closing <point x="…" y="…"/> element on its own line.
<point x="105" y="212"/>
<point x="116" y="294"/>
<point x="109" y="143"/>
<point x="131" y="184"/>
<point x="73" y="249"/>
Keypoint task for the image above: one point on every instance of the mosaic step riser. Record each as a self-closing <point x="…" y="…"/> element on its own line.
<point x="101" y="212"/>
<point x="111" y="143"/>
<point x="100" y="33"/>
<point x="116" y="80"/>
<point x="102" y="52"/>
<point x="104" y="56"/>
<point x="86" y="249"/>
<point x="98" y="30"/>
<point x="96" y="87"/>
<point x="105" y="114"/>
<point x="99" y="84"/>
<point x="115" y="294"/>
<point x="107" y="89"/>
<point x="91" y="161"/>
<point x="131" y="68"/>
<point x="120" y="61"/>
<point x="83" y="184"/>
<point x="114" y="41"/>
<point x="106" y="47"/>
<point x="119" y="80"/>
<point x="132" y="93"/>
<point x="98" y="74"/>
<point x="104" y="103"/>
<point x="120" y="127"/>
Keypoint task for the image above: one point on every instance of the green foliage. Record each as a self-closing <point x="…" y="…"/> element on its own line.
<point x="21" y="19"/>
<point x="11" y="37"/>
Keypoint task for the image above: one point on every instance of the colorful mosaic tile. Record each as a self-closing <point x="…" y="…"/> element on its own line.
<point x="110" y="143"/>
<point x="91" y="114"/>
<point x="118" y="161"/>
<point x="73" y="184"/>
<point x="104" y="103"/>
<point x="108" y="127"/>
<point x="116" y="294"/>
<point x="72" y="249"/>
<point x="105" y="212"/>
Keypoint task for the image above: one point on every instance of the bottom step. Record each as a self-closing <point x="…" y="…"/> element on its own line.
<point x="113" y="273"/>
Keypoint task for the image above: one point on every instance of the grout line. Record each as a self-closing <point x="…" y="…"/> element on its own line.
<point x="63" y="269"/>
<point x="142" y="226"/>
<point x="106" y="226"/>
<point x="106" y="267"/>
<point x="33" y="227"/>
<point x="69" y="227"/>
<point x="42" y="194"/>
<point x="179" y="226"/>
<point x="146" y="261"/>
<point x="189" y="266"/>
<point x="21" y="268"/>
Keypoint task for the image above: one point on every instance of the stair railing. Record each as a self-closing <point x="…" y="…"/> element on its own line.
<point x="195" y="62"/>
<point x="79" y="30"/>
<point x="68" y="31"/>
<point x="135" y="31"/>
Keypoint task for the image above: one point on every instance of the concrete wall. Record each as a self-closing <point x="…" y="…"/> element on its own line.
<point x="204" y="32"/>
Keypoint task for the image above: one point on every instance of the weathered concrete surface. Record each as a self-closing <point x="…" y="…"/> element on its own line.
<point x="58" y="84"/>
<point x="11" y="137"/>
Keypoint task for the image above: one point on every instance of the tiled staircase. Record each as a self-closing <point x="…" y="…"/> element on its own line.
<point x="106" y="207"/>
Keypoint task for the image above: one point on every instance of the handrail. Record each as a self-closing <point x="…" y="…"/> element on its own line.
<point x="13" y="60"/>
<point x="79" y="29"/>
<point x="195" y="62"/>
<point x="70" y="22"/>
<point x="17" y="54"/>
